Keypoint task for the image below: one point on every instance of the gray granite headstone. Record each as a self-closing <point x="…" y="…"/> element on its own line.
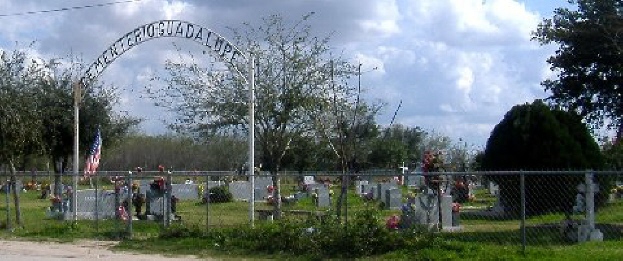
<point x="381" y="188"/>
<point x="260" y="194"/>
<point x="446" y="211"/>
<point x="369" y="188"/>
<point x="311" y="188"/>
<point x="87" y="207"/>
<point x="156" y="206"/>
<point x="415" y="181"/>
<point x="241" y="190"/>
<point x="393" y="198"/>
<point x="185" y="191"/>
<point x="427" y="210"/>
<point x="324" y="200"/>
<point x="212" y="184"/>
<point x="18" y="185"/>
<point x="300" y="195"/>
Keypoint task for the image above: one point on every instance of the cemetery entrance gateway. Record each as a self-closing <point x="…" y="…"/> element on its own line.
<point x="220" y="47"/>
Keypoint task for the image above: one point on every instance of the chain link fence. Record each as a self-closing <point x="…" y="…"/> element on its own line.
<point x="515" y="208"/>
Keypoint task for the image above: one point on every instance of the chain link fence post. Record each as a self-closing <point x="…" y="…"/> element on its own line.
<point x="206" y="194"/>
<point x="522" y="187"/>
<point x="7" y="189"/>
<point x="129" y="204"/>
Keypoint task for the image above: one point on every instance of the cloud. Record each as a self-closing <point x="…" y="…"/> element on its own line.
<point x="459" y="65"/>
<point x="456" y="65"/>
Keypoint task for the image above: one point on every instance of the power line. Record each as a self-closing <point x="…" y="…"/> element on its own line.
<point x="69" y="8"/>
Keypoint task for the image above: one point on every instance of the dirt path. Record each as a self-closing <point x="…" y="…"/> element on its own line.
<point x="80" y="250"/>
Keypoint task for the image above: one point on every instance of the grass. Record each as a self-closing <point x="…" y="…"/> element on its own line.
<point x="482" y="238"/>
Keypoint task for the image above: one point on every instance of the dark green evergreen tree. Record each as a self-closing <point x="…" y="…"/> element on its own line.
<point x="536" y="138"/>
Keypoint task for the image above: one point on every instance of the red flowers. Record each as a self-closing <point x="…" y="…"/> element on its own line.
<point x="456" y="207"/>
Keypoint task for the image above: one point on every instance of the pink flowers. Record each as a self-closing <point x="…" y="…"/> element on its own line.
<point x="392" y="222"/>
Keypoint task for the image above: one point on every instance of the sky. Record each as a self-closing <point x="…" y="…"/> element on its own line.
<point x="454" y="66"/>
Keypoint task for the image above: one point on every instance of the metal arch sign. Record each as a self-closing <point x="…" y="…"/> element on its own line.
<point x="217" y="44"/>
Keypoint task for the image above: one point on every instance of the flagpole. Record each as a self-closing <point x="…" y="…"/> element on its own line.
<point x="251" y="82"/>
<point x="74" y="194"/>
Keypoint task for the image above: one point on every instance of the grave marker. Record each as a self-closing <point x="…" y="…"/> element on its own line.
<point x="359" y="186"/>
<point x="324" y="200"/>
<point x="393" y="198"/>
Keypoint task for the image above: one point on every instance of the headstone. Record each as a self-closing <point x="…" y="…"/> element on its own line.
<point x="415" y="181"/>
<point x="446" y="212"/>
<point x="143" y="188"/>
<point x="300" y="195"/>
<point x="426" y="209"/>
<point x="18" y="185"/>
<point x="309" y="180"/>
<point x="241" y="190"/>
<point x="471" y="188"/>
<point x="393" y="198"/>
<point x="260" y="194"/>
<point x="156" y="206"/>
<point x="498" y="206"/>
<point x="263" y="182"/>
<point x="312" y="187"/>
<point x="493" y="188"/>
<point x="86" y="204"/>
<point x="359" y="186"/>
<point x="381" y="188"/>
<point x="185" y="191"/>
<point x="369" y="189"/>
<point x="212" y="184"/>
<point x="324" y="200"/>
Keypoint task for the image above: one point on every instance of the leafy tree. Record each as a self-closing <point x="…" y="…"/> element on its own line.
<point x="20" y="121"/>
<point x="589" y="59"/>
<point x="55" y="100"/>
<point x="534" y="137"/>
<point x="220" y="153"/>
<point x="293" y="83"/>
<point x="36" y="114"/>
<point x="349" y="129"/>
<point x="303" y="154"/>
<point x="398" y="144"/>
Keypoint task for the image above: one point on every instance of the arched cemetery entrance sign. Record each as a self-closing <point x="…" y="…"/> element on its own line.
<point x="217" y="45"/>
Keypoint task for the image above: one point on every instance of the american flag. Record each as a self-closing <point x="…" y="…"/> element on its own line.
<point x="93" y="157"/>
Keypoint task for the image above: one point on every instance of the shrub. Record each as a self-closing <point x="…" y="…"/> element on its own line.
<point x="534" y="137"/>
<point x="220" y="194"/>
<point x="364" y="235"/>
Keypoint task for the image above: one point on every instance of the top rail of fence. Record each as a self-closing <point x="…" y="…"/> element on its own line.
<point x="370" y="173"/>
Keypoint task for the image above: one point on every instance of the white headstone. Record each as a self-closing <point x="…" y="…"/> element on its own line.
<point x="308" y="180"/>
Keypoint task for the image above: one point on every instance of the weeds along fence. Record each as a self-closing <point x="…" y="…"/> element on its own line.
<point x="516" y="208"/>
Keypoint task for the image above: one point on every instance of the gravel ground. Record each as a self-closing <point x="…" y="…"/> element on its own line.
<point x="80" y="250"/>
